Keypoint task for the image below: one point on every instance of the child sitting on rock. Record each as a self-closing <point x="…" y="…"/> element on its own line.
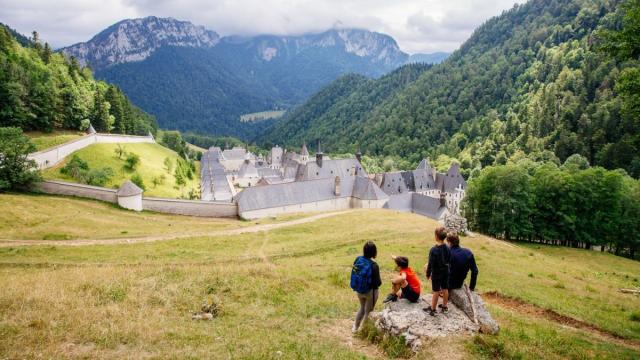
<point x="407" y="284"/>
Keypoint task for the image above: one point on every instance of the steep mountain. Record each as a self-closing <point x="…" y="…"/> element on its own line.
<point x="192" y="80"/>
<point x="531" y="82"/>
<point x="42" y="90"/>
<point x="433" y="58"/>
<point x="136" y="39"/>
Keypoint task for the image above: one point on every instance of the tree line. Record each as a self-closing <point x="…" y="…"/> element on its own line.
<point x="570" y="205"/>
<point x="42" y="90"/>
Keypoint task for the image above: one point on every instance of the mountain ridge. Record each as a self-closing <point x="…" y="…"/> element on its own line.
<point x="204" y="84"/>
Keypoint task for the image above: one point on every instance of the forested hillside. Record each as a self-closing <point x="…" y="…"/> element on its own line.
<point x="41" y="90"/>
<point x="338" y="107"/>
<point x="542" y="80"/>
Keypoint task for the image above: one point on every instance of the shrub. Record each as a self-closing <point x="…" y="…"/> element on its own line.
<point x="75" y="167"/>
<point x="131" y="162"/>
<point x="635" y="316"/>
<point x="98" y="177"/>
<point x="16" y="170"/>
<point x="120" y="151"/>
<point x="137" y="179"/>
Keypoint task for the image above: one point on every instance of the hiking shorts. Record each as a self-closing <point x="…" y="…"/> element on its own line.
<point x="440" y="282"/>
<point x="410" y="294"/>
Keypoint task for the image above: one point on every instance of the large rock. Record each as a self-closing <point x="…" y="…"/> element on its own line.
<point x="471" y="304"/>
<point x="402" y="318"/>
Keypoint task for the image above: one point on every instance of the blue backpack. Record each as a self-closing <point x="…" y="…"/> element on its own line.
<point x="361" y="275"/>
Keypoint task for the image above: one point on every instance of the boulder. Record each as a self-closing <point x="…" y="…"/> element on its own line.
<point x="472" y="305"/>
<point x="403" y="318"/>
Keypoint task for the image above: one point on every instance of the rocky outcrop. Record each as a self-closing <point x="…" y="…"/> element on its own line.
<point x="472" y="305"/>
<point x="402" y="318"/>
<point x="467" y="314"/>
<point x="456" y="223"/>
<point x="136" y="39"/>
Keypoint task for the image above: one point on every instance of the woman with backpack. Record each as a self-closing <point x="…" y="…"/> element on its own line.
<point x="365" y="281"/>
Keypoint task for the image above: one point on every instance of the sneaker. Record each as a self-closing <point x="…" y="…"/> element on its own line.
<point x="445" y="309"/>
<point x="430" y="311"/>
<point x="390" y="297"/>
<point x="354" y="329"/>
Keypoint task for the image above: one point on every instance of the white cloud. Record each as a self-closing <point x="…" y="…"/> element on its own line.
<point x="417" y="25"/>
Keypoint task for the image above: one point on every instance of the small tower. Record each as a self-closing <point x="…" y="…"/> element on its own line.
<point x="319" y="155"/>
<point x="304" y="154"/>
<point x="359" y="155"/>
<point x="91" y="130"/>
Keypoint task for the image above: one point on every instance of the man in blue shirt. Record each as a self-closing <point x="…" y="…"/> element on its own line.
<point x="461" y="262"/>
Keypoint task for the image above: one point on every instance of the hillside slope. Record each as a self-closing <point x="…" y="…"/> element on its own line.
<point x="137" y="287"/>
<point x="151" y="166"/>
<point x="530" y="80"/>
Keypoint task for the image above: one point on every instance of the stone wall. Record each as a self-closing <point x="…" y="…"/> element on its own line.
<point x="190" y="207"/>
<point x="80" y="190"/>
<point x="161" y="205"/>
<point x="325" y="205"/>
<point x="52" y="156"/>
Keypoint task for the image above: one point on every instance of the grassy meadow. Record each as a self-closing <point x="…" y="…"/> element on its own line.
<point x="262" y="115"/>
<point x="151" y="166"/>
<point x="44" y="140"/>
<point x="285" y="292"/>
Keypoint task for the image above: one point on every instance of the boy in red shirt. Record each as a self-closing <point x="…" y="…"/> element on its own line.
<point x="406" y="285"/>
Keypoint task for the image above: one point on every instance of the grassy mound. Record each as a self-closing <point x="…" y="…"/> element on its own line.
<point x="285" y="290"/>
<point x="151" y="166"/>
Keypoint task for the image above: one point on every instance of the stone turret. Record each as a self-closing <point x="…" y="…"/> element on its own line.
<point x="359" y="155"/>
<point x="319" y="155"/>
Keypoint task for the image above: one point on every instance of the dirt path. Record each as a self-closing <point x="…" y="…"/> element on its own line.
<point x="526" y="308"/>
<point x="146" y="239"/>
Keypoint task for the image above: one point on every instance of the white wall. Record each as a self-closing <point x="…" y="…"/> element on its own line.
<point x="131" y="202"/>
<point x="325" y="205"/>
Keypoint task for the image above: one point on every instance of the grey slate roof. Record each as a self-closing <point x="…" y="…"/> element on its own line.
<point x="247" y="169"/>
<point x="366" y="189"/>
<point x="237" y="153"/>
<point x="451" y="180"/>
<point x="213" y="178"/>
<point x="299" y="192"/>
<point x="427" y="206"/>
<point x="91" y="130"/>
<point x="398" y="182"/>
<point x="128" y="189"/>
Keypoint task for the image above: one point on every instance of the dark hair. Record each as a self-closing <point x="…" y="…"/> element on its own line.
<point x="441" y="233"/>
<point x="402" y="261"/>
<point x="369" y="250"/>
<point x="453" y="238"/>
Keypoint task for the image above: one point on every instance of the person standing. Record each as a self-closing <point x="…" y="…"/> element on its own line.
<point x="438" y="272"/>
<point x="365" y="281"/>
<point x="462" y="260"/>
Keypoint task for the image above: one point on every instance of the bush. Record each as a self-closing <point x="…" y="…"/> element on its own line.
<point x="137" y="179"/>
<point x="75" y="167"/>
<point x="131" y="162"/>
<point x="98" y="177"/>
<point x="17" y="172"/>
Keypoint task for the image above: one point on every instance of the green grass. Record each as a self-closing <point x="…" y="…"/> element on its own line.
<point x="284" y="292"/>
<point x="151" y="166"/>
<point x="46" y="217"/>
<point x="43" y="141"/>
<point x="262" y="115"/>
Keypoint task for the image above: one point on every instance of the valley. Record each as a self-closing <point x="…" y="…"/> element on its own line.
<point x="247" y="188"/>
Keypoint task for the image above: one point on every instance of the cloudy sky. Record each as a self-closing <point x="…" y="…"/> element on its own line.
<point x="417" y="25"/>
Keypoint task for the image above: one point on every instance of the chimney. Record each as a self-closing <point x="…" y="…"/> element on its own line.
<point x="336" y="186"/>
<point x="319" y="155"/>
